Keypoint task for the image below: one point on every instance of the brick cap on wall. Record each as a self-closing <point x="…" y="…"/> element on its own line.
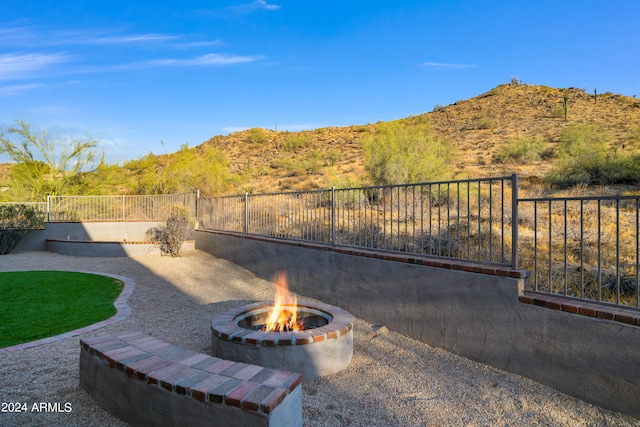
<point x="417" y="259"/>
<point x="629" y="316"/>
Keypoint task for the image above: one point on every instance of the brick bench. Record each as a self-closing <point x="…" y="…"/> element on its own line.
<point x="147" y="381"/>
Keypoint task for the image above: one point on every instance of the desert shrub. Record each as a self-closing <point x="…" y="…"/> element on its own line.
<point x="397" y="154"/>
<point x="332" y="156"/>
<point x="524" y="149"/>
<point x="297" y="166"/>
<point x="634" y="137"/>
<point x="361" y="234"/>
<point x="586" y="158"/>
<point x="557" y="112"/>
<point x="445" y="243"/>
<point x="295" y="141"/>
<point x="484" y="122"/>
<point x="171" y="235"/>
<point x="341" y="181"/>
<point x="257" y="135"/>
<point x="16" y="221"/>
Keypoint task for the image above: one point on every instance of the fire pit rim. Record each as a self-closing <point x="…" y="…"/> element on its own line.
<point x="223" y="326"/>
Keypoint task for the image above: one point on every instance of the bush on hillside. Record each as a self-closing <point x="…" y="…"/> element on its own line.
<point x="257" y="135"/>
<point x="519" y="150"/>
<point x="295" y="141"/>
<point x="484" y="122"/>
<point x="586" y="158"/>
<point x="398" y="154"/>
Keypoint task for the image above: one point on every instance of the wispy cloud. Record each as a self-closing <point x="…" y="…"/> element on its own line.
<point x="165" y="40"/>
<point x="221" y="59"/>
<point x="16" y="36"/>
<point x="25" y="65"/>
<point x="14" y="66"/>
<point x="35" y="37"/>
<point x="445" y="66"/>
<point x="210" y="43"/>
<point x="18" y="89"/>
<point x="121" y="39"/>
<point x="253" y="6"/>
<point x="210" y="59"/>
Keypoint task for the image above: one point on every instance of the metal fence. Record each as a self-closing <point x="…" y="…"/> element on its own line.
<point x="465" y="219"/>
<point x="113" y="208"/>
<point x="583" y="247"/>
<point x="117" y="208"/>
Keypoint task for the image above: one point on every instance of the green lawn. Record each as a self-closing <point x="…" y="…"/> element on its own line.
<point x="40" y="304"/>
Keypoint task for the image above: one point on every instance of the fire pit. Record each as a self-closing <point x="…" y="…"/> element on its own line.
<point x="312" y="338"/>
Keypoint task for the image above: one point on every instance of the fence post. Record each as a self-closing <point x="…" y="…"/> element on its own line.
<point x="333" y="216"/>
<point x="123" y="207"/>
<point x="197" y="203"/>
<point x="246" y="213"/>
<point x="48" y="208"/>
<point x="514" y="221"/>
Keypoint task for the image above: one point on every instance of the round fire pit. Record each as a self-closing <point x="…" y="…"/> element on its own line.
<point x="323" y="346"/>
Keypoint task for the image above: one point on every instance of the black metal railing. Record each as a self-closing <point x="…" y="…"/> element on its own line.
<point x="582" y="247"/>
<point x="464" y="219"/>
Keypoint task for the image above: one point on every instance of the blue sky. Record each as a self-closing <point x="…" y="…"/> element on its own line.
<point x="151" y="76"/>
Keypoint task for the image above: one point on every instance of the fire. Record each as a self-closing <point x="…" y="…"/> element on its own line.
<point x="283" y="317"/>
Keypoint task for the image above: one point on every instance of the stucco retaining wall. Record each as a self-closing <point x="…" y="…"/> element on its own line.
<point x="36" y="240"/>
<point x="475" y="315"/>
<point x="109" y="249"/>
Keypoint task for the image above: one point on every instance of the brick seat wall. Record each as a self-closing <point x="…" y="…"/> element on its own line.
<point x="144" y="380"/>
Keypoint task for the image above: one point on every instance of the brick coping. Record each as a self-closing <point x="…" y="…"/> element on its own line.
<point x="199" y="376"/>
<point x="629" y="316"/>
<point x="144" y="221"/>
<point x="111" y="242"/>
<point x="224" y="327"/>
<point x="388" y="256"/>
<point x="121" y="305"/>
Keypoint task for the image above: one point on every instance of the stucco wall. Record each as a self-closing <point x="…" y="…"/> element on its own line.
<point x="86" y="231"/>
<point x="477" y="316"/>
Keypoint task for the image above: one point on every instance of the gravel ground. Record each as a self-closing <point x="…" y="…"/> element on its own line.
<point x="392" y="380"/>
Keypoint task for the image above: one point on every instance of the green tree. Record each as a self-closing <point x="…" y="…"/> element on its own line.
<point x="397" y="154"/>
<point x="45" y="165"/>
<point x="202" y="168"/>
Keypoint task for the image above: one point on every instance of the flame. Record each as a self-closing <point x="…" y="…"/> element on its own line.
<point x="283" y="316"/>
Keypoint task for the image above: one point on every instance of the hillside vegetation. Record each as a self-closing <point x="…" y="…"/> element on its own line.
<point x="479" y="128"/>
<point x="513" y="128"/>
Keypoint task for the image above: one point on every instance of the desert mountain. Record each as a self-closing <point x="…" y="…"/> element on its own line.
<point x="479" y="127"/>
<point x="263" y="160"/>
